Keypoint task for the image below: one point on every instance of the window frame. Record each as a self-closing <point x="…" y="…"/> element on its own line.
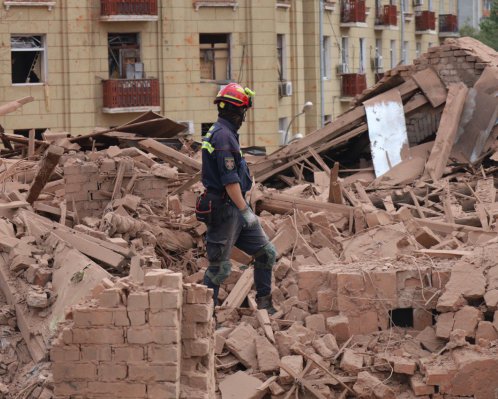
<point x="392" y="53"/>
<point x="362" y="56"/>
<point x="282" y="57"/>
<point x="345" y="51"/>
<point x="212" y="49"/>
<point x="44" y="58"/>
<point x="327" y="57"/>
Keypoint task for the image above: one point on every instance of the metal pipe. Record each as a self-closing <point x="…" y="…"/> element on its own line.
<point x="402" y="33"/>
<point x="322" y="72"/>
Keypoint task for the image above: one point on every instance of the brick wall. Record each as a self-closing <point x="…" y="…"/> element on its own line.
<point x="149" y="341"/>
<point x="91" y="184"/>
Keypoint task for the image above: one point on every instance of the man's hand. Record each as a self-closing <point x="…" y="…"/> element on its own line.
<point x="249" y="217"/>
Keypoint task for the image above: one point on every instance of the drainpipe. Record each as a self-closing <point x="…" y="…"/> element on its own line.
<point x="402" y="33"/>
<point x="322" y="72"/>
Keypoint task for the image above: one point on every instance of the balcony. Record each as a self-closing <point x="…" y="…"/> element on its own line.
<point x="387" y="17"/>
<point x="425" y="22"/>
<point x="353" y="84"/>
<point x="130" y="95"/>
<point x="353" y="13"/>
<point x="448" y="25"/>
<point x="215" y="3"/>
<point x="128" y="10"/>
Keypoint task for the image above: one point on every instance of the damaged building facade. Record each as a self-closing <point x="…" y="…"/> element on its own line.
<point x="95" y="63"/>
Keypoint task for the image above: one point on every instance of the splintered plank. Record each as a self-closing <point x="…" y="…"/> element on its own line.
<point x="237" y="295"/>
<point x="445" y="137"/>
<point x="432" y="86"/>
<point x="170" y="155"/>
<point x="14" y="105"/>
<point x="47" y="166"/>
<point x="335" y="191"/>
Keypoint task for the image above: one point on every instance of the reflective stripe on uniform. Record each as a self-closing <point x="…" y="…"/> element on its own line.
<point x="206" y="145"/>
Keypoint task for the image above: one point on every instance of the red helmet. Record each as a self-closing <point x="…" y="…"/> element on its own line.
<point x="235" y="94"/>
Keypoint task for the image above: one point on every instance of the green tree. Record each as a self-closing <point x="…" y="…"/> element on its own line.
<point x="488" y="32"/>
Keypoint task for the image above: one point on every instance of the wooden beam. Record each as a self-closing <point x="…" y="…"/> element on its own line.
<point x="14" y="105"/>
<point x="47" y="166"/>
<point x="335" y="191"/>
<point x="170" y="155"/>
<point x="31" y="144"/>
<point x="237" y="295"/>
<point x="320" y="160"/>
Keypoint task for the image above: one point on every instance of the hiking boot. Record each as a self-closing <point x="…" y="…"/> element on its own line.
<point x="264" y="302"/>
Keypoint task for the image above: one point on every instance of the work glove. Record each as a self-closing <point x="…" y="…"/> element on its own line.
<point x="250" y="219"/>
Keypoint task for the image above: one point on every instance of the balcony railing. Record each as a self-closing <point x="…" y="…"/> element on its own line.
<point x="353" y="11"/>
<point x="425" y="20"/>
<point x="448" y="25"/>
<point x="125" y="10"/>
<point x="131" y="95"/>
<point x="387" y="16"/>
<point x="353" y="84"/>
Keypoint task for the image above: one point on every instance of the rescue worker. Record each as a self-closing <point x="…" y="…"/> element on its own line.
<point x="226" y="178"/>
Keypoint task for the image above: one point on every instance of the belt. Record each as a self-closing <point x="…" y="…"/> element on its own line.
<point x="221" y="194"/>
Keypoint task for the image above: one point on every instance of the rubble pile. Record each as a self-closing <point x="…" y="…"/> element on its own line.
<point x="385" y="224"/>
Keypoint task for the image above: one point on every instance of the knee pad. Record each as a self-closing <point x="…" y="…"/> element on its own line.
<point x="224" y="270"/>
<point x="265" y="257"/>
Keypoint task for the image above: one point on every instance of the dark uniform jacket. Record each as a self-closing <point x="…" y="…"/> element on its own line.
<point x="222" y="159"/>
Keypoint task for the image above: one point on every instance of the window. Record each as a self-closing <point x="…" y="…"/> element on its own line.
<point x="25" y="132"/>
<point x="124" y="56"/>
<point x="215" y="56"/>
<point x="378" y="55"/>
<point x="418" y="51"/>
<point x="452" y="7"/>
<point x="406" y="53"/>
<point x="430" y="5"/>
<point x="327" y="119"/>
<point x="282" y="58"/>
<point x="430" y="45"/>
<point x="441" y="7"/>
<point x="282" y="128"/>
<point x="406" y="5"/>
<point x="28" y="59"/>
<point x="345" y="54"/>
<point x="392" y="53"/>
<point x="326" y="57"/>
<point x="362" y="55"/>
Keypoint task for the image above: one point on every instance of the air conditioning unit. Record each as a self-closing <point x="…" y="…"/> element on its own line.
<point x="342" y="69"/>
<point x="418" y="3"/>
<point x="285" y="89"/>
<point x="378" y="64"/>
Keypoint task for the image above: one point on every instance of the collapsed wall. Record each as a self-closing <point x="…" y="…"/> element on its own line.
<point x="138" y="341"/>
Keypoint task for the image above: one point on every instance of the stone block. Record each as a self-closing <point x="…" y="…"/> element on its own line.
<point x="339" y="327"/>
<point x="163" y="278"/>
<point x="316" y="322"/>
<point x="161" y="299"/>
<point x="466" y="319"/>
<point x="351" y="361"/>
<point x="294" y="363"/>
<point x="241" y="342"/>
<point x="368" y="386"/>
<point x="267" y="355"/>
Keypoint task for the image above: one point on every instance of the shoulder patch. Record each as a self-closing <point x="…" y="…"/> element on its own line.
<point x="229" y="163"/>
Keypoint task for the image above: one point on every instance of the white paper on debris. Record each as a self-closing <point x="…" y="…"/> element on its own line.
<point x="387" y="130"/>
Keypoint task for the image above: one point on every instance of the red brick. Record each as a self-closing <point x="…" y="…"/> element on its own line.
<point x="67" y="389"/>
<point x="368" y="386"/>
<point x="167" y="318"/>
<point x="127" y="353"/>
<point x="195" y="348"/>
<point x="153" y="372"/>
<point x="161" y="299"/>
<point x="197" y="293"/>
<point x="150" y="335"/>
<point x="422" y="318"/>
<point x="111" y="372"/>
<point x="98" y="336"/>
<point x="71" y="371"/>
<point x="96" y="352"/>
<point x="486" y="330"/>
<point x="444" y="325"/>
<point x="91" y="317"/>
<point x="197" y="313"/>
<point x="120" y="317"/>
<point x="65" y="353"/>
<point x="418" y="386"/>
<point x="110" y="298"/>
<point x="117" y="389"/>
<point x="404" y="366"/>
<point x="138" y="301"/>
<point x="339" y="327"/>
<point x="136" y="317"/>
<point x="316" y="322"/>
<point x="351" y="361"/>
<point x="162" y="390"/>
<point x="67" y="335"/>
<point x="466" y="319"/>
<point x="163" y="353"/>
<point x="164" y="279"/>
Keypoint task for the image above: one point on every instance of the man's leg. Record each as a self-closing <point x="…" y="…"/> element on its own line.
<point x="220" y="237"/>
<point x="255" y="242"/>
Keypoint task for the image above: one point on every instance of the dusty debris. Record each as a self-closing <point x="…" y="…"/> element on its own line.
<point x="384" y="287"/>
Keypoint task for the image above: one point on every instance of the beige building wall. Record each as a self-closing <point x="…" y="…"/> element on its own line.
<point x="76" y="63"/>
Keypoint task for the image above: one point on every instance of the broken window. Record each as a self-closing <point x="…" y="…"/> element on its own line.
<point x="28" y="59"/>
<point x="215" y="56"/>
<point x="124" y="56"/>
